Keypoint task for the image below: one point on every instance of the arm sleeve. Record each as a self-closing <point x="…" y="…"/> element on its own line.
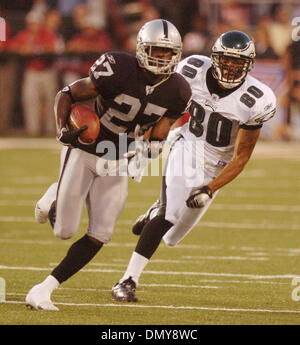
<point x="263" y="112"/>
<point x="108" y="74"/>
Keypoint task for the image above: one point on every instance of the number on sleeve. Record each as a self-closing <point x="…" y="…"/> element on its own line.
<point x="247" y="99"/>
<point x="189" y="71"/>
<point x="101" y="68"/>
<point x="255" y="91"/>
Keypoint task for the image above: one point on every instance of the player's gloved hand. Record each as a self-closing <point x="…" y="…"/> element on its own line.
<point x="138" y="158"/>
<point x="141" y="145"/>
<point x="69" y="137"/>
<point x="199" y="197"/>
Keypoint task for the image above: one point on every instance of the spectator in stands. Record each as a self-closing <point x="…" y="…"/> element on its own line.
<point x="264" y="50"/>
<point x="52" y="23"/>
<point x="294" y="111"/>
<point x="8" y="77"/>
<point x="197" y="41"/>
<point x="68" y="9"/>
<point x="279" y="28"/>
<point x="39" y="7"/>
<point x="134" y="14"/>
<point x="91" y="39"/>
<point x="79" y="17"/>
<point x="234" y="15"/>
<point x="40" y="79"/>
<point x="90" y="42"/>
<point x="291" y="62"/>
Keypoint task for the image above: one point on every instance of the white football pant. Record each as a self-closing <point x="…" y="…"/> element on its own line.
<point x="185" y="171"/>
<point x="81" y="182"/>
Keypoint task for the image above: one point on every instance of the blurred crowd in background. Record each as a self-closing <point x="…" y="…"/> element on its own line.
<point x="51" y="43"/>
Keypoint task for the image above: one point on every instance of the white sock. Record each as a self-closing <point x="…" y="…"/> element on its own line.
<point x="135" y="267"/>
<point x="50" y="283"/>
<point x="47" y="199"/>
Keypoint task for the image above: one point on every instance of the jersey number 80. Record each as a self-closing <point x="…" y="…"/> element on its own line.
<point x="218" y="127"/>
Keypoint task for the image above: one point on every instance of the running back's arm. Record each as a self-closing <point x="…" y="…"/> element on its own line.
<point x="80" y="90"/>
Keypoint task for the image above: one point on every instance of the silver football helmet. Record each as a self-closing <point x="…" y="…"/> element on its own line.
<point x="163" y="34"/>
<point x="240" y="48"/>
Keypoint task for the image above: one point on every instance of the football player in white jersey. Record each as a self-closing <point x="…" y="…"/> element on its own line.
<point x="227" y="112"/>
<point x="128" y="92"/>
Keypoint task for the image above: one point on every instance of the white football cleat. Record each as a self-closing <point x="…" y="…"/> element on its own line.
<point x="39" y="298"/>
<point x="40" y="215"/>
<point x="42" y="207"/>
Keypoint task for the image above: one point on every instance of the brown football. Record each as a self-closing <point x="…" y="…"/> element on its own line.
<point x="81" y="115"/>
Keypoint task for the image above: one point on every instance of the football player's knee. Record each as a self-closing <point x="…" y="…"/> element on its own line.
<point x="101" y="235"/>
<point x="63" y="232"/>
<point x="169" y="238"/>
<point x="169" y="241"/>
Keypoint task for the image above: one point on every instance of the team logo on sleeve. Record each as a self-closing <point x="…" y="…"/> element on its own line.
<point x="111" y="59"/>
<point x="149" y="89"/>
<point x="265" y="117"/>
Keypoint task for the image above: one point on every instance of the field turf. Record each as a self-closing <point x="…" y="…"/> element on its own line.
<point x="236" y="267"/>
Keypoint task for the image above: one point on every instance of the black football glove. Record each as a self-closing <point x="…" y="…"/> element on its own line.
<point x="199" y="197"/>
<point x="70" y="137"/>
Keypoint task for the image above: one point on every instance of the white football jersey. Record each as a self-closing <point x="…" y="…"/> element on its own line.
<point x="216" y="120"/>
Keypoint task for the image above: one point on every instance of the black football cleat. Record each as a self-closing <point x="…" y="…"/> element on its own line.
<point x="142" y="220"/>
<point x="125" y="291"/>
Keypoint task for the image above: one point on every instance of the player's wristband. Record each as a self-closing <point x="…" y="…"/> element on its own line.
<point x="207" y="190"/>
<point x="67" y="90"/>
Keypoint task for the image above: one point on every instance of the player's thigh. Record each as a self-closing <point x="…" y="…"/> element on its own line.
<point x="185" y="223"/>
<point x="73" y="186"/>
<point x="105" y="202"/>
<point x="180" y="178"/>
<point x="184" y="173"/>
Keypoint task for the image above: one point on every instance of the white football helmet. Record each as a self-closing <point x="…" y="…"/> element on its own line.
<point x="163" y="34"/>
<point x="237" y="45"/>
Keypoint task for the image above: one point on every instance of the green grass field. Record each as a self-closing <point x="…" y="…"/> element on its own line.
<point x="235" y="267"/>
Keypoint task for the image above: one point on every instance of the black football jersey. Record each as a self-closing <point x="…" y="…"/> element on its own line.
<point x="126" y="99"/>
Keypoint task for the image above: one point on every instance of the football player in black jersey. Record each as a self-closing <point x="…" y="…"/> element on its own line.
<point x="127" y="92"/>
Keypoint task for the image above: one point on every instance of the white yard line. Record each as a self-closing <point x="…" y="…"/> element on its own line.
<point x="212" y="257"/>
<point x="263" y="149"/>
<point x="284" y="251"/>
<point x="29" y="143"/>
<point x="237" y="275"/>
<point x="22" y="191"/>
<point x="253" y="193"/>
<point x="216" y="206"/>
<point x="172" y="307"/>
<point x="223" y="225"/>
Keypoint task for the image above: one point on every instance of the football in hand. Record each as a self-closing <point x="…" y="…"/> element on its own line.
<point x="81" y="115"/>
